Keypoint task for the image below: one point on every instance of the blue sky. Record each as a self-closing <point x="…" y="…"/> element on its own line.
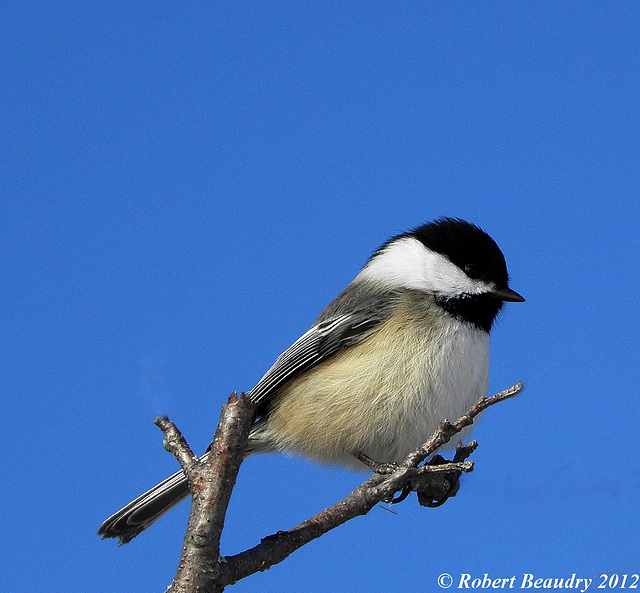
<point x="185" y="187"/>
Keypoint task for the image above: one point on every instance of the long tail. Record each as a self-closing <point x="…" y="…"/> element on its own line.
<point x="145" y="510"/>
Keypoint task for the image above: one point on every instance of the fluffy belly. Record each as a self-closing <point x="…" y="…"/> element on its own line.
<point x="385" y="396"/>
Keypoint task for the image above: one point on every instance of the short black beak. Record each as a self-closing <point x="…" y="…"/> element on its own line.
<point x="511" y="296"/>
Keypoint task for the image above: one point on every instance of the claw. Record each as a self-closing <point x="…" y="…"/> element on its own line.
<point x="405" y="492"/>
<point x="376" y="466"/>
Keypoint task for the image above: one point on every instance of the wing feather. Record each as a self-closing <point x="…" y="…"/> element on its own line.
<point x="326" y="337"/>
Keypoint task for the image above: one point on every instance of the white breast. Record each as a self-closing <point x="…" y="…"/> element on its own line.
<point x="458" y="379"/>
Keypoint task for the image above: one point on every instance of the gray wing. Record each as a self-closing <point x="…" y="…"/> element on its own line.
<point x="340" y="325"/>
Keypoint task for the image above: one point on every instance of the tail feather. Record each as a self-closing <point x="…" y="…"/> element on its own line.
<point x="145" y="510"/>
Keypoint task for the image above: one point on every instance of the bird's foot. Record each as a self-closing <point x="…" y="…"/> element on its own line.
<point x="439" y="488"/>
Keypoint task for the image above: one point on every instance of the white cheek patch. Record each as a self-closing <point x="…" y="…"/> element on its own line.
<point x="407" y="263"/>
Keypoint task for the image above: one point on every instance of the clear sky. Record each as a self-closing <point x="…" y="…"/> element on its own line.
<point x="184" y="186"/>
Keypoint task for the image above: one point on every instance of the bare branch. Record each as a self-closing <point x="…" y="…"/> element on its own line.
<point x="176" y="444"/>
<point x="446" y="431"/>
<point x="211" y="482"/>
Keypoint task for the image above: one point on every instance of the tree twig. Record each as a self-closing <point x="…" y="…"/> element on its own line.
<point x="446" y="430"/>
<point x="211" y="483"/>
<point x="202" y="569"/>
<point x="176" y="444"/>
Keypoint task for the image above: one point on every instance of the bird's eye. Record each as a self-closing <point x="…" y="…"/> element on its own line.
<point x="472" y="270"/>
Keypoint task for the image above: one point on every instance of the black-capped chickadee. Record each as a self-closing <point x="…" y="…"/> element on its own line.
<point x="402" y="347"/>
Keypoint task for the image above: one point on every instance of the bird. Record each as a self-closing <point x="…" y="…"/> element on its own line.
<point x="404" y="346"/>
